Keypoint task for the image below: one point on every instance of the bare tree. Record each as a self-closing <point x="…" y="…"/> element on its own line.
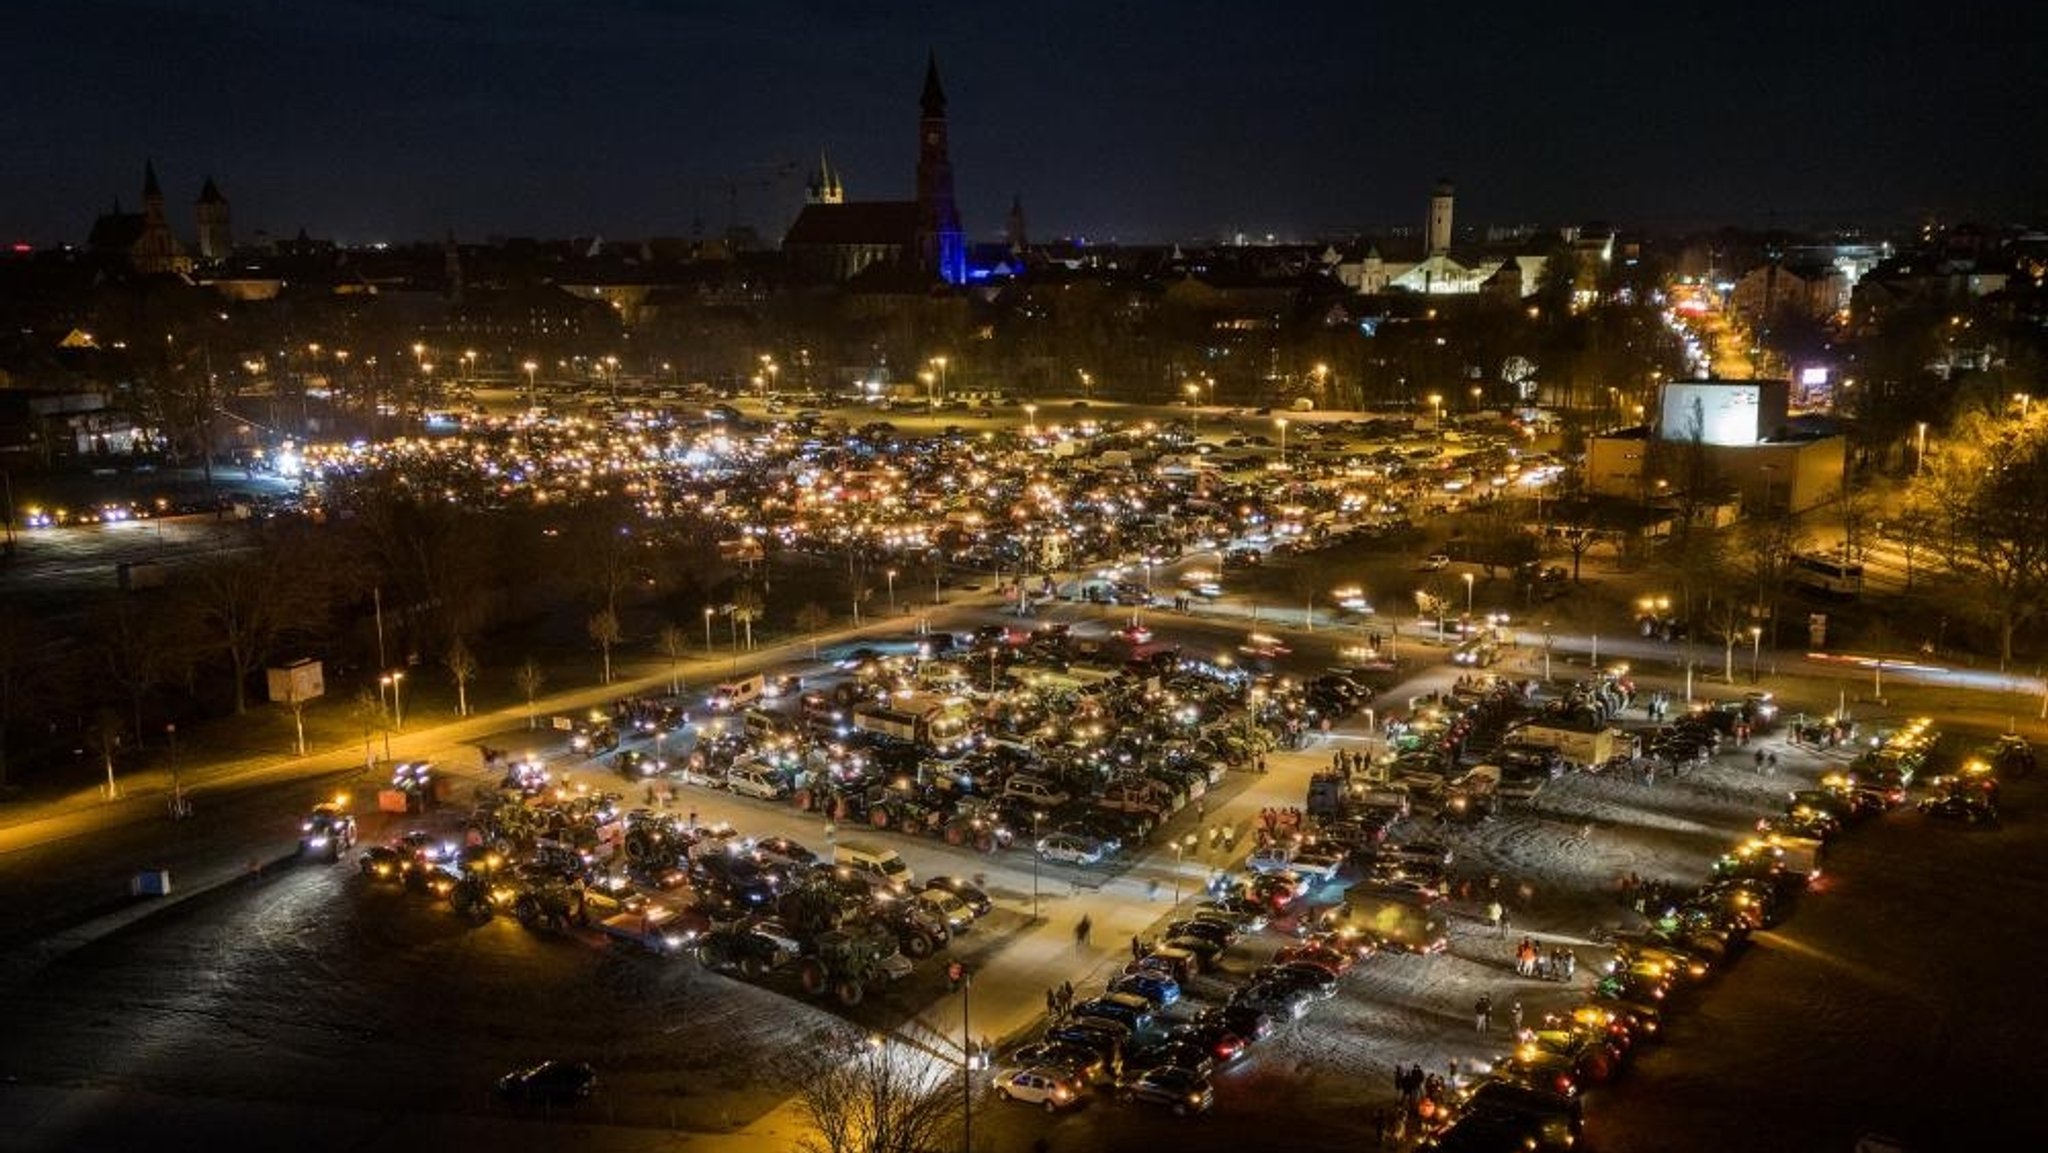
<point x="1768" y="546"/>
<point x="462" y="666"/>
<point x="603" y="627"/>
<point x="811" y="620"/>
<point x="675" y="642"/>
<point x="747" y="608"/>
<point x="243" y="603"/>
<point x="887" y="1097"/>
<point x="530" y="678"/>
<point x="105" y="733"/>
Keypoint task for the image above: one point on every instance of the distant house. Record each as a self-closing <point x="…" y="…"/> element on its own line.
<point x="1816" y="290"/>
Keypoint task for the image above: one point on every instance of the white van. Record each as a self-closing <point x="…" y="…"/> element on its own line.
<point x="872" y="863"/>
<point x="737" y="694"/>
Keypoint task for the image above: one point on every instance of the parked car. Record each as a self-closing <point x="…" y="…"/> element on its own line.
<point x="1177" y="1090"/>
<point x="970" y="895"/>
<point x="1053" y="1089"/>
<point x="1072" y="849"/>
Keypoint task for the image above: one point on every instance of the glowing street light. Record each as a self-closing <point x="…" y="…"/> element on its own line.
<point x="709" y="612"/>
<point x="1920" y="454"/>
<point x="1436" y="402"/>
<point x="1281" y="424"/>
<point x="1468" y="594"/>
<point x="941" y="362"/>
<point x="892" y="591"/>
<point x="1756" y="650"/>
<point x="531" y="367"/>
<point x="1031" y="418"/>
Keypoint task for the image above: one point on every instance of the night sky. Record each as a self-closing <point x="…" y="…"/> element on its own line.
<point x="365" y="120"/>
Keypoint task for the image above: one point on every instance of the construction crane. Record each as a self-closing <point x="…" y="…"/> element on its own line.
<point x="760" y="176"/>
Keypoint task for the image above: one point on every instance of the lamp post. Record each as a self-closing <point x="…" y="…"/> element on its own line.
<point x="531" y="367"/>
<point x="892" y="592"/>
<point x="1181" y="847"/>
<point x="1281" y="424"/>
<point x="1436" y="402"/>
<point x="1477" y="394"/>
<point x="709" y="612"/>
<point x="1194" y="392"/>
<point x="1756" y="650"/>
<point x="941" y="362"/>
<point x="1468" y="594"/>
<point x="1546" y="653"/>
<point x="1037" y="818"/>
<point x="1920" y="454"/>
<point x="1031" y="419"/>
<point x="397" y="699"/>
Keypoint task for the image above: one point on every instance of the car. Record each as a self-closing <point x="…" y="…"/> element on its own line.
<point x="1084" y="1064"/>
<point x="1534" y="1067"/>
<point x="1204" y="927"/>
<point x="1314" y="979"/>
<point x="783" y="851"/>
<point x="1970" y="808"/>
<point x="382" y="863"/>
<point x="1170" y="1087"/>
<point x="1223" y="1045"/>
<point x="1264" y="645"/>
<point x="1281" y="1000"/>
<point x="1559" y="1121"/>
<point x="1206" y="951"/>
<point x="1052" y="1088"/>
<point x="1129" y="1010"/>
<point x="970" y="895"/>
<point x="1158" y="988"/>
<point x="946" y="907"/>
<point x="1277" y="890"/>
<point x="1098" y="1035"/>
<point x="1171" y="1051"/>
<point x="1434" y="562"/>
<point x="1329" y="958"/>
<point x="550" y="1083"/>
<point x="1072" y="849"/>
<point x="1242" y="914"/>
<point x="1134" y="634"/>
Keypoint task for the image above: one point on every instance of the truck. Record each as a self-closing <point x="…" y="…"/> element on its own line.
<point x="939" y="724"/>
<point x="1583" y="747"/>
<point x="1388" y="923"/>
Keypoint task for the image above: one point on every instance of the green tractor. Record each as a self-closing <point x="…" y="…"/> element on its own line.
<point x="848" y="962"/>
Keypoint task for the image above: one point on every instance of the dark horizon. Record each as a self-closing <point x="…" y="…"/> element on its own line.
<point x="366" y="121"/>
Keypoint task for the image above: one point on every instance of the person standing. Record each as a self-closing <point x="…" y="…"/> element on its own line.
<point x="1515" y="1015"/>
<point x="1496" y="917"/>
<point x="1082" y="928"/>
<point x="1482" y="1014"/>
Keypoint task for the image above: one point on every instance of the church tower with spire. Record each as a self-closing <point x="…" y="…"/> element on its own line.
<point x="941" y="246"/>
<point x="210" y="213"/>
<point x="824" y="187"/>
<point x="156" y="248"/>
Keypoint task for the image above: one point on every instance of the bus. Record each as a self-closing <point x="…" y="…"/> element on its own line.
<point x="1827" y="575"/>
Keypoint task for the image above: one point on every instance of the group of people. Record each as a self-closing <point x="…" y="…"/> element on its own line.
<point x="1554" y="964"/>
<point x="1059" y="999"/>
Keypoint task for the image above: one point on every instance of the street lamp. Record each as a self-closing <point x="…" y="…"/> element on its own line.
<point x="709" y="612"/>
<point x="1281" y="424"/>
<point x="1477" y="393"/>
<point x="941" y="362"/>
<point x="1546" y="652"/>
<point x="397" y="699"/>
<point x="1920" y="454"/>
<point x="531" y="367"/>
<point x="1037" y="818"/>
<point x="1181" y="847"/>
<point x="1756" y="650"/>
<point x="1436" y="402"/>
<point x="892" y="592"/>
<point x="1031" y="418"/>
<point x="1194" y="392"/>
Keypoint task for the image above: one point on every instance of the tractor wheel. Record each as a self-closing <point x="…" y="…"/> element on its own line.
<point x="813" y="977"/>
<point x="751" y="968"/>
<point x="839" y="810"/>
<point x="639" y="847"/>
<point x="984" y="843"/>
<point x="955" y="835"/>
<point x="879" y="818"/>
<point x="527" y="910"/>
<point x="917" y="945"/>
<point x="850" y="992"/>
<point x="803" y="800"/>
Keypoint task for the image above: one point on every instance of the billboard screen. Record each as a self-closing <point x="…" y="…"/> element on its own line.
<point x="1727" y="412"/>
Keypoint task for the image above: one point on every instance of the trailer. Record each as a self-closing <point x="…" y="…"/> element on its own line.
<point x="1582" y="747"/>
<point x="655" y="928"/>
<point x="936" y="723"/>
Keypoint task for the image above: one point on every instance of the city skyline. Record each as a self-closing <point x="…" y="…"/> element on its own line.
<point x="365" y="123"/>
